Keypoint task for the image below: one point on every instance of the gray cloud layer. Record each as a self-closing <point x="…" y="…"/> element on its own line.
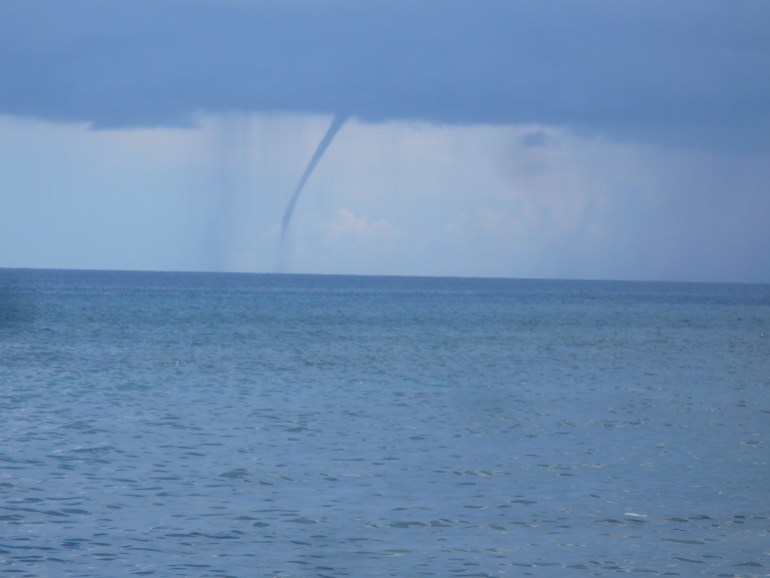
<point x="665" y="71"/>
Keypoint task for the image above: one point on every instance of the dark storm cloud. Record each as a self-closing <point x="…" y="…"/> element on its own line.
<point x="659" y="70"/>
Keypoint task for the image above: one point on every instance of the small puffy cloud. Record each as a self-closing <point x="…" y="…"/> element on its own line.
<point x="347" y="224"/>
<point x="497" y="222"/>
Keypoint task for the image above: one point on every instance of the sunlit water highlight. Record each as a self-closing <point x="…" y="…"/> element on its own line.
<point x="247" y="425"/>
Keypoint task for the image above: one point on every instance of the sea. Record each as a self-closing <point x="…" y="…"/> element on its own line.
<point x="247" y="425"/>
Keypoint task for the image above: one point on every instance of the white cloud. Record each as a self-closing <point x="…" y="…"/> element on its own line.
<point x="347" y="224"/>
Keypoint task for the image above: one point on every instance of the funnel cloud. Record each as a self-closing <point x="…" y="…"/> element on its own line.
<point x="337" y="122"/>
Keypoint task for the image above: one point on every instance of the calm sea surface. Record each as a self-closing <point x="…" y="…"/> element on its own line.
<point x="169" y="424"/>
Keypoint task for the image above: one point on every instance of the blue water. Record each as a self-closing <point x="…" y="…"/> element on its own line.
<point x="169" y="424"/>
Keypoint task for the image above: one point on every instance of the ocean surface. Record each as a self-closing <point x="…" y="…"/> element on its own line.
<point x="179" y="424"/>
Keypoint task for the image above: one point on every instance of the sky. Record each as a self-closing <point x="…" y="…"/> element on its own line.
<point x="599" y="139"/>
